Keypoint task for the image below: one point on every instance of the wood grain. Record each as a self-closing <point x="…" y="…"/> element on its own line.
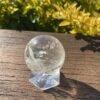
<point x="80" y="77"/>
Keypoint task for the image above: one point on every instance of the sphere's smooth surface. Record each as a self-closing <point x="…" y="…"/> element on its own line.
<point x="44" y="53"/>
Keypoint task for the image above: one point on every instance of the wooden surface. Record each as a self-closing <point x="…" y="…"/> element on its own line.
<point x="80" y="75"/>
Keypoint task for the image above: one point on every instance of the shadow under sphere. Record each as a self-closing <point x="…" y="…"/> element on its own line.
<point x="70" y="89"/>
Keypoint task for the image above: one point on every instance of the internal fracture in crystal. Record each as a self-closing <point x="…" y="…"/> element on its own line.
<point x="44" y="55"/>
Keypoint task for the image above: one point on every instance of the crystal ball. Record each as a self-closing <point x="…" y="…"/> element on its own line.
<point x="44" y="55"/>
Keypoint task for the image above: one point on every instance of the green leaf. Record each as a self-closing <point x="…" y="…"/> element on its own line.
<point x="27" y="8"/>
<point x="73" y="31"/>
<point x="14" y="10"/>
<point x="64" y="23"/>
<point x="57" y="7"/>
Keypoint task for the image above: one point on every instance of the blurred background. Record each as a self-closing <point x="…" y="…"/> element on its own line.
<point x="64" y="16"/>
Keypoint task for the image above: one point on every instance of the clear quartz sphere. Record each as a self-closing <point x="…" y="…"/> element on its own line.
<point x="44" y="55"/>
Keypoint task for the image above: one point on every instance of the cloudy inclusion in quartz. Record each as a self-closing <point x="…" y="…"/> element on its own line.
<point x="44" y="55"/>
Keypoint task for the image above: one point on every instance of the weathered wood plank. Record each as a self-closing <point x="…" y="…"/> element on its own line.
<point x="81" y="71"/>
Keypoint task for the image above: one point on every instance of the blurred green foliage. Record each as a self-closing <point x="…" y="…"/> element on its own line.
<point x="72" y="16"/>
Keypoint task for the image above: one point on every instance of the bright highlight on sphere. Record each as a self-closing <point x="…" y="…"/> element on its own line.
<point x="44" y="53"/>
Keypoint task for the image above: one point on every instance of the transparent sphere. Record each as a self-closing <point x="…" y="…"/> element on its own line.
<point x="44" y="55"/>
